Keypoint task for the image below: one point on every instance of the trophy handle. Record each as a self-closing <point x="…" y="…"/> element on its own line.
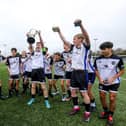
<point x="33" y="31"/>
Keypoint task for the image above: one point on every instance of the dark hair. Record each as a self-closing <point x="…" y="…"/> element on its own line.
<point x="57" y="53"/>
<point x="105" y="45"/>
<point x="13" y="49"/>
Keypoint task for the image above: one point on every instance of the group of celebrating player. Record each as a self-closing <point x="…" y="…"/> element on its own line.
<point x="74" y="66"/>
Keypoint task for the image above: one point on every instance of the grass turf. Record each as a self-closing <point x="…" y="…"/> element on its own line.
<point x="15" y="112"/>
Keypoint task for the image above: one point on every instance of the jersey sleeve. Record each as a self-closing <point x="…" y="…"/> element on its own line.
<point x="95" y="64"/>
<point x="51" y="61"/>
<point x="20" y="60"/>
<point x="71" y="47"/>
<point x="3" y="58"/>
<point x="86" y="46"/>
<point x="7" y="61"/>
<point x="64" y="62"/>
<point x="121" y="64"/>
<point x="89" y="55"/>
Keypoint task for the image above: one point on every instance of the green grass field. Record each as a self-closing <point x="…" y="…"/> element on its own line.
<point x="15" y="112"/>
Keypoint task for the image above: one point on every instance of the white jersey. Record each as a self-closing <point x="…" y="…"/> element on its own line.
<point x="67" y="56"/>
<point x="58" y="67"/>
<point x="37" y="60"/>
<point x="48" y="62"/>
<point x="108" y="67"/>
<point x="79" y="57"/>
<point x="13" y="63"/>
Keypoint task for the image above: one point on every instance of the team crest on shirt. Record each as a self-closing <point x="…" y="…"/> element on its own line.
<point x="61" y="64"/>
<point x="106" y="66"/>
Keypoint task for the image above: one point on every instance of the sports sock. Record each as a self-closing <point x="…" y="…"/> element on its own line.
<point x="75" y="101"/>
<point x="69" y="93"/>
<point x="87" y="107"/>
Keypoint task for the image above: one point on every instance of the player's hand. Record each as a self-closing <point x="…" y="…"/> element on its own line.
<point x="101" y="81"/>
<point x="111" y="80"/>
<point x="64" y="67"/>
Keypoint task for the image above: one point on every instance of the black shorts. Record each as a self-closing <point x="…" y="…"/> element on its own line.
<point x="79" y="80"/>
<point x="91" y="78"/>
<point x="49" y="76"/>
<point x="27" y="74"/>
<point x="38" y="76"/>
<point x="14" y="77"/>
<point x="68" y="75"/>
<point x="110" y="88"/>
<point x="56" y="77"/>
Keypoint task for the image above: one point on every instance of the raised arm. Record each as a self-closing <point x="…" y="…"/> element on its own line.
<point x="57" y="29"/>
<point x="78" y="23"/>
<point x="40" y="39"/>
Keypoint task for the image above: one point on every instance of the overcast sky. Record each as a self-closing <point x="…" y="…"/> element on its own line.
<point x="103" y="19"/>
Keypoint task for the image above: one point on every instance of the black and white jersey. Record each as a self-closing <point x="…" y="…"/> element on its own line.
<point x="67" y="56"/>
<point x="59" y="67"/>
<point x="13" y="63"/>
<point x="109" y="66"/>
<point x="48" y="62"/>
<point x="2" y="58"/>
<point x="37" y="60"/>
<point x="79" y="57"/>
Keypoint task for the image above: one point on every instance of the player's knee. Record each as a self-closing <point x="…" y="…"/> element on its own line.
<point x="33" y="86"/>
<point x="112" y="98"/>
<point x="73" y="93"/>
<point x="43" y="88"/>
<point x="102" y="95"/>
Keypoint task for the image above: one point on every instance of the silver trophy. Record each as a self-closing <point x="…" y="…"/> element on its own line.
<point x="31" y="36"/>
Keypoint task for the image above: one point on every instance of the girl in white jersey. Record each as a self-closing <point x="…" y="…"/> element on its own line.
<point x="38" y="75"/>
<point x="67" y="56"/>
<point x="79" y="78"/>
<point x="14" y="70"/>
